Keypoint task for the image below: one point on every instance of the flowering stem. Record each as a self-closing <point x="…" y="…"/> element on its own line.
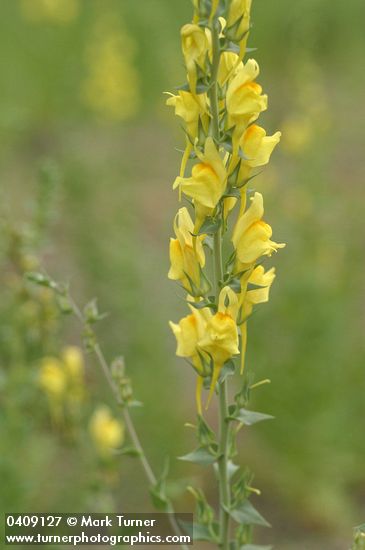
<point x="224" y="489"/>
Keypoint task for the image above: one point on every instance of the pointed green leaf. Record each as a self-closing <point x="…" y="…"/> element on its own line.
<point x="202" y="456"/>
<point x="250" y="417"/>
<point x="246" y="514"/>
<point x="210" y="226"/>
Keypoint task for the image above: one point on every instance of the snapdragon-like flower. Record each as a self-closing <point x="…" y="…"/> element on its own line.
<point x="244" y="100"/>
<point x="257" y="148"/>
<point x="188" y="333"/>
<point x="255" y="289"/>
<point x="190" y="107"/>
<point x="229" y="66"/>
<point x="238" y="22"/>
<point x="220" y="340"/>
<point x="186" y="253"/>
<point x="252" y="236"/>
<point x="195" y="46"/>
<point x="207" y="182"/>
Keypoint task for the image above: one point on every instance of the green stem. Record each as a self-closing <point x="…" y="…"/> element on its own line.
<point x="224" y="488"/>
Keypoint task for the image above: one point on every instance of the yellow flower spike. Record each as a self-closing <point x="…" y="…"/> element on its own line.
<point x="195" y="47"/>
<point x="208" y="180"/>
<point x="111" y="87"/>
<point x="251" y="235"/>
<point x="186" y="252"/>
<point x="106" y="431"/>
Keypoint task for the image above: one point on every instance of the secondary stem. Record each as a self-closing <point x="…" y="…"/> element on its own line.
<point x="128" y="422"/>
<point x="224" y="488"/>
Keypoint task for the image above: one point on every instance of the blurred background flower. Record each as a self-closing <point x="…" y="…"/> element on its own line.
<point x="56" y="11"/>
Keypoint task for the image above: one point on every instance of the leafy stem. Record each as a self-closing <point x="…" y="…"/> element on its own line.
<point x="224" y="487"/>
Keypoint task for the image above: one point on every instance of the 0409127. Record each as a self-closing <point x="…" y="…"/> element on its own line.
<point x="21" y="520"/>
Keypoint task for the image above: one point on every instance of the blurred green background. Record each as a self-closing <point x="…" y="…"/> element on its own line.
<point x="81" y="83"/>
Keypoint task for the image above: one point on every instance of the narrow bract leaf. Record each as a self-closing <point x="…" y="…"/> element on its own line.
<point x="201" y="456"/>
<point x="250" y="417"/>
<point x="246" y="514"/>
<point x="210" y="226"/>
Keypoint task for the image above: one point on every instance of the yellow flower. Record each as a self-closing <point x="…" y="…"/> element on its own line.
<point x="244" y="99"/>
<point x="74" y="363"/>
<point x="195" y="47"/>
<point x="111" y="88"/>
<point x="106" y="431"/>
<point x="58" y="11"/>
<point x="251" y="235"/>
<point x="250" y="297"/>
<point x="257" y="148"/>
<point x="239" y="21"/>
<point x="261" y="279"/>
<point x="207" y="183"/>
<point x="229" y="66"/>
<point x="220" y="340"/>
<point x="188" y="332"/>
<point x="52" y="378"/>
<point x="190" y="107"/>
<point x="186" y="253"/>
<point x="74" y="367"/>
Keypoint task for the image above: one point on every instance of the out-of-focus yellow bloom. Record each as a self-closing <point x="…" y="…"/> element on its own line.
<point x="252" y="296"/>
<point x="195" y="46"/>
<point x="244" y="100"/>
<point x="190" y="107"/>
<point x="57" y="11"/>
<point x="257" y="148"/>
<point x="220" y="340"/>
<point x="251" y="236"/>
<point x="74" y="366"/>
<point x="52" y="378"/>
<point x="111" y="88"/>
<point x="106" y="431"/>
<point x="238" y="22"/>
<point x="73" y="362"/>
<point x="186" y="254"/>
<point x="207" y="183"/>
